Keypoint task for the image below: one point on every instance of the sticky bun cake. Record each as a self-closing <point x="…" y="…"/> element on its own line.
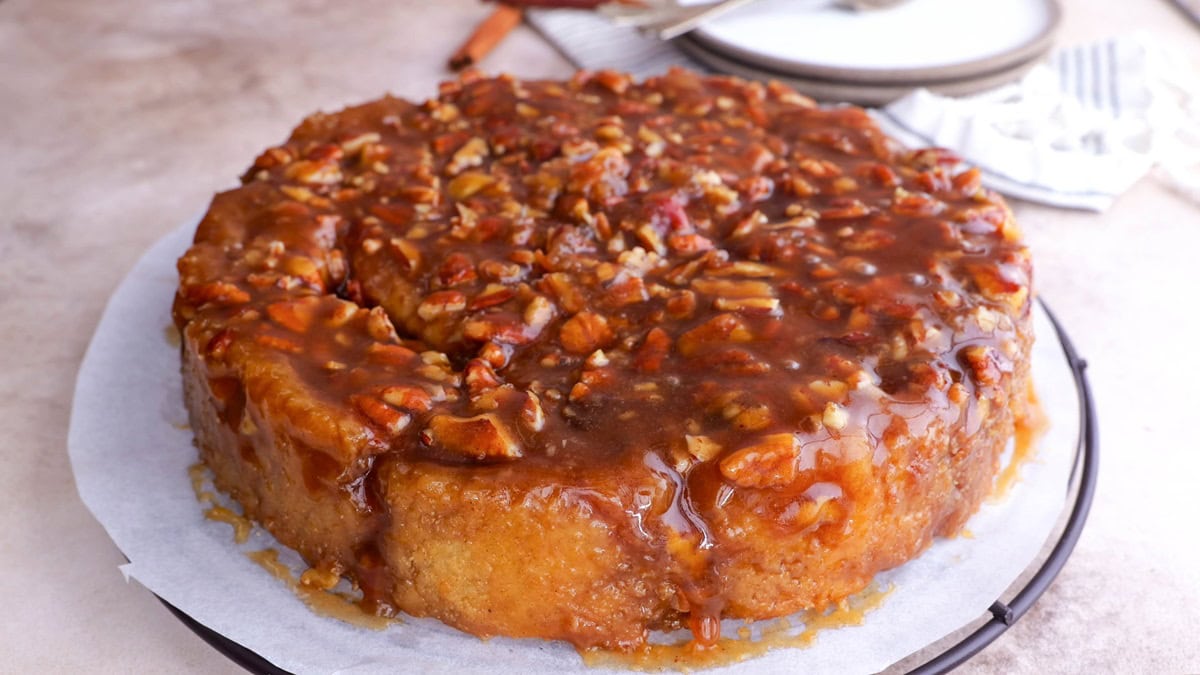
<point x="580" y="360"/>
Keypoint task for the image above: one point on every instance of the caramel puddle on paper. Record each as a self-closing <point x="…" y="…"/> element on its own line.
<point x="241" y="525"/>
<point x="1026" y="435"/>
<point x="324" y="602"/>
<point x="172" y="334"/>
<point x="686" y="655"/>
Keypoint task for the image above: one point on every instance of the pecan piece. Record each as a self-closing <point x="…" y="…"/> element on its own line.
<point x="441" y="303"/>
<point x="379" y="326"/>
<point x="585" y="332"/>
<point x="654" y="350"/>
<point x="984" y="364"/>
<point x="394" y="355"/>
<point x="481" y="438"/>
<point x="390" y="419"/>
<point x="729" y="288"/>
<point x="407" y="397"/>
<point x="532" y="415"/>
<point x="221" y="292"/>
<point x="468" y="183"/>
<point x="771" y="462"/>
<point x="294" y="315"/>
<point x="702" y="448"/>
<point x="717" y="331"/>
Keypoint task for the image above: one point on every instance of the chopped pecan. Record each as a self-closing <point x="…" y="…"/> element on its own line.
<point x="718" y="331"/>
<point x="295" y="315"/>
<point x="702" y="448"/>
<point x="532" y="415"/>
<point x="770" y="462"/>
<point x="407" y="397"/>
<point x="984" y="362"/>
<point x="653" y="352"/>
<point x="468" y="183"/>
<point x="585" y="332"/>
<point x="483" y="437"/>
<point x="379" y="326"/>
<point x="388" y="418"/>
<point x="441" y="303"/>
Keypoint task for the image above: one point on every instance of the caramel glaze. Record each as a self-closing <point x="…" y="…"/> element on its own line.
<point x="764" y="351"/>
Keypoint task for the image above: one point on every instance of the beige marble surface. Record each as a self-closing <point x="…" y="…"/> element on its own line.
<point x="119" y="119"/>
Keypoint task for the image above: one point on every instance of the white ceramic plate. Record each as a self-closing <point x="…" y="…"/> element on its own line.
<point x="915" y="41"/>
<point x="861" y="93"/>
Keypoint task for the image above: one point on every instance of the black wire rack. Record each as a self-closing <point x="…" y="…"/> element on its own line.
<point x="998" y="618"/>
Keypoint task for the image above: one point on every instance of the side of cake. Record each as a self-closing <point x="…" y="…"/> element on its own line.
<point x="578" y="360"/>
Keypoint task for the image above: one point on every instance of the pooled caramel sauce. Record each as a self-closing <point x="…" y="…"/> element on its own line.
<point x="197" y="474"/>
<point x="171" y="333"/>
<point x="326" y="603"/>
<point x="1029" y="430"/>
<point x="781" y="633"/>
<point x="330" y="603"/>
<point x="241" y="526"/>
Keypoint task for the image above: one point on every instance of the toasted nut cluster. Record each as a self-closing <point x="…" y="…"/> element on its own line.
<point x="763" y="309"/>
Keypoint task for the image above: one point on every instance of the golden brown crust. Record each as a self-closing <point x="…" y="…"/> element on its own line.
<point x="579" y="360"/>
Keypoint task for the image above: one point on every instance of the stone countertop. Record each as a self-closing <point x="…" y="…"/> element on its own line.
<point x="118" y="120"/>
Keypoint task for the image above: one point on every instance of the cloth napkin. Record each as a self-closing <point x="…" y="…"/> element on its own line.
<point x="1076" y="132"/>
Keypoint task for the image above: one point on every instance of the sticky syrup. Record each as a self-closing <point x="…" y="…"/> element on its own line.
<point x="332" y="604"/>
<point x="778" y="634"/>
<point x="1028" y="431"/>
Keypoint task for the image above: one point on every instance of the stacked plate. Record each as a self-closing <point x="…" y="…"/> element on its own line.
<point x="872" y="57"/>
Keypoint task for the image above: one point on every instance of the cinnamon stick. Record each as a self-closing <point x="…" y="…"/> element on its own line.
<point x="486" y="36"/>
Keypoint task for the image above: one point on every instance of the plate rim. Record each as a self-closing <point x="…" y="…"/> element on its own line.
<point x="1039" y="43"/>
<point x="862" y="93"/>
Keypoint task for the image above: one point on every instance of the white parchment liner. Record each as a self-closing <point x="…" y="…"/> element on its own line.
<point x="130" y="450"/>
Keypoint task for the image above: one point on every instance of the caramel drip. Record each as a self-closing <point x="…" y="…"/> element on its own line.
<point x="1029" y="430"/>
<point x="241" y="525"/>
<point x="726" y="650"/>
<point x="324" y="602"/>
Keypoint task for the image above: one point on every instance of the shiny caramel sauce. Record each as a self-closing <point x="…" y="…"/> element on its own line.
<point x="324" y="602"/>
<point x="796" y="632"/>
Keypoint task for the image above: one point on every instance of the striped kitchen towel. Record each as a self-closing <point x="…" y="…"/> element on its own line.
<point x="1075" y="132"/>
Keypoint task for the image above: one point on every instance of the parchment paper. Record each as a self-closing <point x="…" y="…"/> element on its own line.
<point x="130" y="449"/>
